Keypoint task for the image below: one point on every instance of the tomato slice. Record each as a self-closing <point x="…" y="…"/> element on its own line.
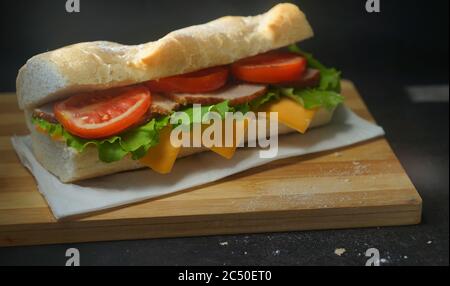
<point x="270" y="68"/>
<point x="195" y="82"/>
<point x="103" y="113"/>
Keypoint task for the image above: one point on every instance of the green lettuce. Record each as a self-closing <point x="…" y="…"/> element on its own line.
<point x="272" y="94"/>
<point x="313" y="98"/>
<point x="135" y="141"/>
<point x="326" y="95"/>
<point x="221" y="108"/>
<point x="330" y="78"/>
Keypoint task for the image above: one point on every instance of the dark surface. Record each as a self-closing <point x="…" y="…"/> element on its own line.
<point x="382" y="53"/>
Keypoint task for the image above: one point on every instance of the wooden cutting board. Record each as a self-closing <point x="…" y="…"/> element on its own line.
<point x="359" y="186"/>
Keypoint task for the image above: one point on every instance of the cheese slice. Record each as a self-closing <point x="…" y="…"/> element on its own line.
<point x="161" y="157"/>
<point x="228" y="152"/>
<point x="290" y="113"/>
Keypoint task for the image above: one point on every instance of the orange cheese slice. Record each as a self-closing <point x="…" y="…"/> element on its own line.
<point x="228" y="152"/>
<point x="291" y="114"/>
<point x="161" y="157"/>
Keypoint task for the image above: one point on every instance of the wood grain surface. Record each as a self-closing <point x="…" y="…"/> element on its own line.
<point x="359" y="186"/>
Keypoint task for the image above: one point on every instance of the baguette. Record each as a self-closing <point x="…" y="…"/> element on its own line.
<point x="100" y="65"/>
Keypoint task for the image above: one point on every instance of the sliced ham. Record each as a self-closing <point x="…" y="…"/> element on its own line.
<point x="47" y="115"/>
<point x="235" y="94"/>
<point x="162" y="105"/>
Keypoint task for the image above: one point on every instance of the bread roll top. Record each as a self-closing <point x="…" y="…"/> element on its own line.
<point x="101" y="65"/>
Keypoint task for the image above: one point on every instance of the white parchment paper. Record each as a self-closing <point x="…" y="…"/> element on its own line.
<point x="110" y="191"/>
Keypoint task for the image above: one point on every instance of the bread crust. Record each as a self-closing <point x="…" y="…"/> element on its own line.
<point x="101" y="65"/>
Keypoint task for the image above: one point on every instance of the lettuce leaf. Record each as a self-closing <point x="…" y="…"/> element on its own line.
<point x="326" y="95"/>
<point x="272" y="94"/>
<point x="135" y="141"/>
<point x="221" y="108"/>
<point x="330" y="78"/>
<point x="314" y="98"/>
<point x="243" y="108"/>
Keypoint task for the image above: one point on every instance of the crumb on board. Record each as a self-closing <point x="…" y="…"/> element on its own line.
<point x="337" y="154"/>
<point x="223" y="243"/>
<point x="339" y="251"/>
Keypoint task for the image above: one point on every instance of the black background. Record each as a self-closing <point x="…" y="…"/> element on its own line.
<point x="405" y="44"/>
<point x="408" y="39"/>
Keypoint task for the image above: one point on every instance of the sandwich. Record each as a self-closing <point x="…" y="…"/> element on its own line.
<point x="97" y="108"/>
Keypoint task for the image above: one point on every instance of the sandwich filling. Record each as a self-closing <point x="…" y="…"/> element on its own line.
<point x="134" y="120"/>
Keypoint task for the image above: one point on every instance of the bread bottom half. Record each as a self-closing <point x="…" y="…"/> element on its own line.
<point x="69" y="165"/>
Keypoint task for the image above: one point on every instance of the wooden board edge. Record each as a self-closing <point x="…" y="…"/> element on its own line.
<point x="410" y="198"/>
<point x="410" y="214"/>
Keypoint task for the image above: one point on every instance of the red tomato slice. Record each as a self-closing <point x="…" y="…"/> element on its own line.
<point x="195" y="82"/>
<point x="104" y="113"/>
<point x="270" y="68"/>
